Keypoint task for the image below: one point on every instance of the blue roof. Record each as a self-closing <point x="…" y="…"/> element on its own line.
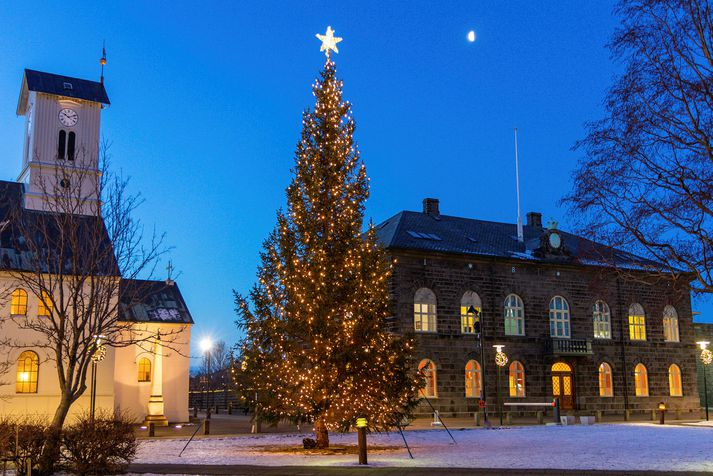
<point x="66" y="86"/>
<point x="466" y="236"/>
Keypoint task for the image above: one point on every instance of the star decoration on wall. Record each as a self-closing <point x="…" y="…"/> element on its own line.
<point x="329" y="41"/>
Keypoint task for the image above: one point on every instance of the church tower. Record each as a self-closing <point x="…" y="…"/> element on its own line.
<point x="60" y="165"/>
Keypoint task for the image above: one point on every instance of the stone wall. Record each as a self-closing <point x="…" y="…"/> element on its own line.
<point x="450" y="276"/>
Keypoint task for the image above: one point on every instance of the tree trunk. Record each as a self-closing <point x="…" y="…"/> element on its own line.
<point x="320" y="430"/>
<point x="50" y="452"/>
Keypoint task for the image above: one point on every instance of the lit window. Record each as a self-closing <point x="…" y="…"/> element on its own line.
<point x="606" y="389"/>
<point x="674" y="381"/>
<point x="424" y="311"/>
<point x="637" y="322"/>
<point x="144" y="370"/>
<point x="44" y="305"/>
<point x="472" y="379"/>
<point x="641" y="381"/>
<point x="517" y="379"/>
<point x="602" y="320"/>
<point x="670" y="324"/>
<point x="428" y="370"/>
<point x="28" y="366"/>
<point x="514" y="316"/>
<point x="18" y="302"/>
<point x="559" y="317"/>
<point x="467" y="321"/>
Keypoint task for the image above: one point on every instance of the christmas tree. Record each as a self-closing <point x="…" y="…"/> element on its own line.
<point x="316" y="346"/>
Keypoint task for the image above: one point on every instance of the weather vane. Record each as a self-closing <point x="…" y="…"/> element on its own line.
<point x="329" y="41"/>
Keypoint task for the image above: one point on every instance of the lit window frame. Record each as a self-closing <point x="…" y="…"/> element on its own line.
<point x="143" y="370"/>
<point x="473" y="379"/>
<point x="516" y="378"/>
<point x="559" y="314"/>
<point x="606" y="380"/>
<point x="467" y="321"/>
<point x="514" y="315"/>
<point x="45" y="305"/>
<point x="637" y="323"/>
<point x="601" y="319"/>
<point x="675" y="381"/>
<point x="28" y="370"/>
<point x="429" y="370"/>
<point x="641" y="380"/>
<point x="18" y="302"/>
<point x="424" y="311"/>
<point x="670" y="324"/>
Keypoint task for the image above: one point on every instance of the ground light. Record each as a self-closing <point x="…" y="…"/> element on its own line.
<point x="361" y="432"/>
<point x="662" y="410"/>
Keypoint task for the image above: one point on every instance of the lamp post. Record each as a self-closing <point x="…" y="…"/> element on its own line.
<point x="478" y="329"/>
<point x="361" y="435"/>
<point x="206" y="346"/>
<point x="98" y="354"/>
<point x="501" y="361"/>
<point x="706" y="359"/>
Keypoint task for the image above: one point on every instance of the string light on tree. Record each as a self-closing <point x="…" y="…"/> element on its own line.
<point x="316" y="346"/>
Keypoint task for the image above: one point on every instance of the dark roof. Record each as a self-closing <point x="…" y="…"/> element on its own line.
<point x="152" y="301"/>
<point x="65" y="86"/>
<point x="448" y="234"/>
<point x="23" y="232"/>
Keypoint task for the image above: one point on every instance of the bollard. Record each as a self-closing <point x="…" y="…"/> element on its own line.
<point x="195" y="411"/>
<point x="540" y="417"/>
<point x="627" y="415"/>
<point x="477" y="418"/>
<point x="654" y="416"/>
<point x="206" y="427"/>
<point x="598" y="416"/>
<point x="508" y="418"/>
<point x="361" y="431"/>
<point x="230" y="408"/>
<point x="152" y="429"/>
<point x="556" y="411"/>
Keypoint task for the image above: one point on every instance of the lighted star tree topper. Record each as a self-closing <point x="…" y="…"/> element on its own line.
<point x="316" y="346"/>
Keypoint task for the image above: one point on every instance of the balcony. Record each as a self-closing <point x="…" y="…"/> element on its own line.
<point x="568" y="346"/>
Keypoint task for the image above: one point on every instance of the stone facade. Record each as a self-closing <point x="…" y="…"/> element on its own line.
<point x="450" y="275"/>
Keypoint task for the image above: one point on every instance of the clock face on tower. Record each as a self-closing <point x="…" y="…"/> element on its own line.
<point x="68" y="117"/>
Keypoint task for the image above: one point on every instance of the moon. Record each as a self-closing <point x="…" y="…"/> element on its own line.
<point x="471" y="36"/>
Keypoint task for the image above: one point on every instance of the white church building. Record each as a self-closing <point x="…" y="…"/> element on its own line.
<point x="149" y="381"/>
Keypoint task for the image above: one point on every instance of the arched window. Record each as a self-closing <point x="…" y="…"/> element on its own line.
<point x="670" y="324"/>
<point x="28" y="366"/>
<point x="514" y="316"/>
<point x="641" y="381"/>
<point x="602" y="320"/>
<point x="467" y="321"/>
<point x="637" y="322"/>
<point x="44" y="305"/>
<point x="606" y="388"/>
<point x="428" y="369"/>
<point x="517" y="379"/>
<point x="472" y="379"/>
<point x="559" y="317"/>
<point x="424" y="311"/>
<point x="61" y="145"/>
<point x="18" y="302"/>
<point x="674" y="381"/>
<point x="71" y="137"/>
<point x="144" y="370"/>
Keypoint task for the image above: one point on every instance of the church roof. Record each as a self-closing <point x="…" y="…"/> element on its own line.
<point x="152" y="301"/>
<point x="426" y="232"/>
<point x="30" y="240"/>
<point x="64" y="86"/>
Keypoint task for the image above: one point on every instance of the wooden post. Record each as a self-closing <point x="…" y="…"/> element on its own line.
<point x="152" y="429"/>
<point x="362" y="445"/>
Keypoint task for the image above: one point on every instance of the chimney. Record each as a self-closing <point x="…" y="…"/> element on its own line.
<point x="430" y="207"/>
<point x="534" y="219"/>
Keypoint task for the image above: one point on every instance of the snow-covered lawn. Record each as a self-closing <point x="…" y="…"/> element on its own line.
<point x="618" y="446"/>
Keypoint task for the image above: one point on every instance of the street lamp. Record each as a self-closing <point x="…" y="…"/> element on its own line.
<point x="501" y="361"/>
<point x="206" y="346"/>
<point x="98" y="354"/>
<point x="475" y="314"/>
<point x="706" y="359"/>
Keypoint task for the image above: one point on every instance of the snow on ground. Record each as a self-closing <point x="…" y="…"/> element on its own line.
<point x="619" y="446"/>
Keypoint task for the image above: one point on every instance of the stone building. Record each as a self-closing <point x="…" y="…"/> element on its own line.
<point x="571" y="326"/>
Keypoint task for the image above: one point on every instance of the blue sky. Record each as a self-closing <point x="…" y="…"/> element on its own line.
<point x="207" y="100"/>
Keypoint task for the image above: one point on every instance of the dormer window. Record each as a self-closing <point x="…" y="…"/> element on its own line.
<point x="67" y="86"/>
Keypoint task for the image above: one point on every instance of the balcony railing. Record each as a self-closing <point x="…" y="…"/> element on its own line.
<point x="569" y="346"/>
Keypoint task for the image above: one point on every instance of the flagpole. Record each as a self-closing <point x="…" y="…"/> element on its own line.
<point x="520" y="236"/>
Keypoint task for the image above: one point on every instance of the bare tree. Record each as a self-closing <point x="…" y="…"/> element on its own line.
<point x="72" y="255"/>
<point x="646" y="180"/>
<point x="219" y="358"/>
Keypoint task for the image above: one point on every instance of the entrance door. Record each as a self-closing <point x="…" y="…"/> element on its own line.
<point x="563" y="385"/>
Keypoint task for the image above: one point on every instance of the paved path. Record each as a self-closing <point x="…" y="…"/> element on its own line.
<point x="243" y="470"/>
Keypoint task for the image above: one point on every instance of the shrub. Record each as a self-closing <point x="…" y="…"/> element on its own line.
<point x="22" y="440"/>
<point x="103" y="446"/>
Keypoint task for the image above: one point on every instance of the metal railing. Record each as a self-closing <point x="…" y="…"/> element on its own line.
<point x="569" y="346"/>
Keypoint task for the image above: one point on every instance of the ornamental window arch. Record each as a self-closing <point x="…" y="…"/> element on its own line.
<point x="468" y="300"/>
<point x="424" y="310"/>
